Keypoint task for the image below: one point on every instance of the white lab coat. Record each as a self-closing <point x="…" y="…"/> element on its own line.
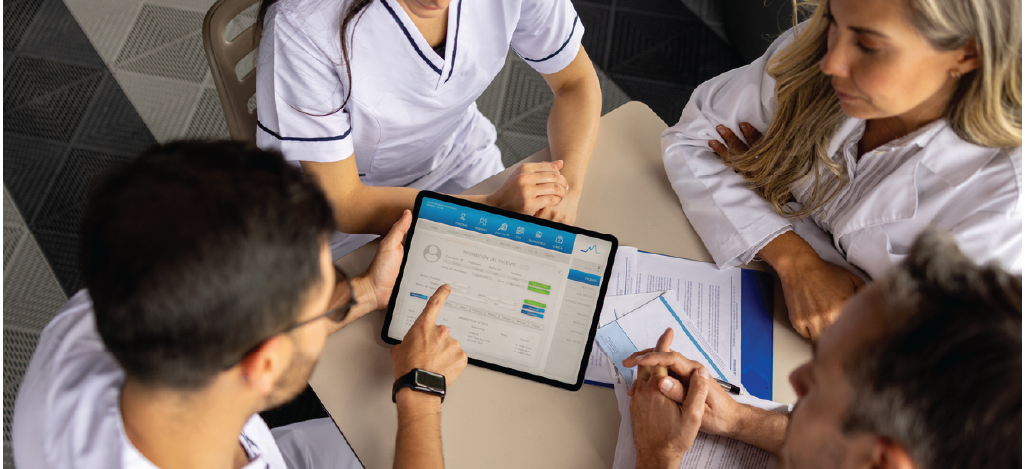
<point x="970" y="191"/>
<point x="68" y="412"/>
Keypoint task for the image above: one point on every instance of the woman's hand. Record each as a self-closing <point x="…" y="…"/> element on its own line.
<point x="734" y="145"/>
<point x="815" y="290"/>
<point x="563" y="212"/>
<point x="531" y="188"/>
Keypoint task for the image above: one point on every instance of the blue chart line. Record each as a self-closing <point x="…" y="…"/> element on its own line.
<point x="685" y="331"/>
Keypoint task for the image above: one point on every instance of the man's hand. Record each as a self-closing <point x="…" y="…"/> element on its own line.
<point x="664" y="429"/>
<point x="722" y="414"/>
<point x="531" y="188"/>
<point x="428" y="346"/>
<point x="372" y="289"/>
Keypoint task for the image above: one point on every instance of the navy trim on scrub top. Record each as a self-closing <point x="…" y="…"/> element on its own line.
<point x="455" y="45"/>
<point x="304" y="139"/>
<point x="410" y="38"/>
<point x="574" y="28"/>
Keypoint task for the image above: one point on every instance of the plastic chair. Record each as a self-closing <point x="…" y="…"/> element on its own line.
<point x="224" y="57"/>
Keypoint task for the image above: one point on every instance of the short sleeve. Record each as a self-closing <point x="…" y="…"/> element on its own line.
<point x="299" y="92"/>
<point x="548" y="34"/>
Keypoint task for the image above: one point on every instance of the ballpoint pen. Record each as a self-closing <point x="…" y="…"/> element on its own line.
<point x="730" y="388"/>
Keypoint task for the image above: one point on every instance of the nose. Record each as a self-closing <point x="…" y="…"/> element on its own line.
<point x="799" y="381"/>
<point x="834" y="63"/>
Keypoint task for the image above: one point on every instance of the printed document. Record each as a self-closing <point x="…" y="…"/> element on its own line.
<point x="615" y="307"/>
<point x="708" y="298"/>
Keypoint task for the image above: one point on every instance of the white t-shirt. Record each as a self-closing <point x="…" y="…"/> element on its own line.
<point x="410" y="110"/>
<point x="68" y="414"/>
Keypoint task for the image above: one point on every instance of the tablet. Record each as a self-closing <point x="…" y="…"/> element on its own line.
<point x="526" y="293"/>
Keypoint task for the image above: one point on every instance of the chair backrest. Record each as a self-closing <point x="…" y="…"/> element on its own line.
<point x="224" y="56"/>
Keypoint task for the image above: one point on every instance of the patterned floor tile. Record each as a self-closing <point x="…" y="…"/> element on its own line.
<point x="165" y="105"/>
<point x="526" y="91"/>
<point x="183" y="59"/>
<point x="18" y="15"/>
<point x="55" y="35"/>
<point x="61" y="252"/>
<point x="30" y="166"/>
<point x="106" y="23"/>
<point x="62" y="210"/>
<point x="56" y="115"/>
<point x="156" y="27"/>
<point x="516" y="147"/>
<point x="31" y="292"/>
<point x="31" y="78"/>
<point x="112" y="124"/>
<point x="208" y="122"/>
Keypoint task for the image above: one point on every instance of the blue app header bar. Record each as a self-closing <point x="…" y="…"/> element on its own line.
<point x="497" y="225"/>
<point x="584" y="277"/>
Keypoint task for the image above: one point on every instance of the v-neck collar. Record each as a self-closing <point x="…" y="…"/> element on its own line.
<point x="419" y="44"/>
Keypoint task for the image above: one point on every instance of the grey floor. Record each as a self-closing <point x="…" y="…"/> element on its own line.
<point x="90" y="83"/>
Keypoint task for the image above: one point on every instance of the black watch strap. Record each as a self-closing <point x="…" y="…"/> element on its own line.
<point x="421" y="381"/>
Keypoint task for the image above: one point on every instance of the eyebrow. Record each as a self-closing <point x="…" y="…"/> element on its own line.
<point x="873" y="32"/>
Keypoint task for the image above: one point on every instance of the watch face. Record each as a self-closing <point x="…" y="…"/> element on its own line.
<point x="430" y="380"/>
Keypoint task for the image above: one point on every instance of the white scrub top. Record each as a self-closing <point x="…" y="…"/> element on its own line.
<point x="411" y="114"/>
<point x="930" y="177"/>
<point x="68" y="412"/>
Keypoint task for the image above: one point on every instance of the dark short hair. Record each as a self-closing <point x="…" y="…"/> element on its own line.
<point x="195" y="252"/>
<point x="945" y="381"/>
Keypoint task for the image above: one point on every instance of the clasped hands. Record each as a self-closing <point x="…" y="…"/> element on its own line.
<point x="538" y="189"/>
<point x="671" y="399"/>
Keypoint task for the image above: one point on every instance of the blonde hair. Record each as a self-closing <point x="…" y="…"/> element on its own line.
<point x="985" y="109"/>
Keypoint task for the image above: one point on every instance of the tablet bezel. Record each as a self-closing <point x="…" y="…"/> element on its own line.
<point x="525" y="218"/>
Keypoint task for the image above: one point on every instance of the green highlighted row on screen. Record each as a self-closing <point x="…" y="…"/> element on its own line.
<point x="538" y="290"/>
<point x="534" y="303"/>
<point x="539" y="285"/>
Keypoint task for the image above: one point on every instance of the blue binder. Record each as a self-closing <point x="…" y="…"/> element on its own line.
<point x="756" y="332"/>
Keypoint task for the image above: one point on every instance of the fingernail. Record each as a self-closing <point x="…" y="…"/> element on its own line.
<point x="446" y="287"/>
<point x="665" y="385"/>
<point x="703" y="372"/>
<point x="745" y="125"/>
<point x="713" y="143"/>
<point x="721" y="129"/>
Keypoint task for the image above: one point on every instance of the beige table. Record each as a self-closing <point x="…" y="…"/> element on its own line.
<point x="494" y="420"/>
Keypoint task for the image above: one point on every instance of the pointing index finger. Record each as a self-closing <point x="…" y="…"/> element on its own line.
<point x="430" y="313"/>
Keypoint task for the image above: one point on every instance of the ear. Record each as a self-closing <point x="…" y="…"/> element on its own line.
<point x="265" y="365"/>
<point x="969" y="59"/>
<point x="888" y="454"/>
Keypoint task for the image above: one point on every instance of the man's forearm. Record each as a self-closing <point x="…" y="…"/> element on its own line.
<point x="418" y="443"/>
<point x="762" y="428"/>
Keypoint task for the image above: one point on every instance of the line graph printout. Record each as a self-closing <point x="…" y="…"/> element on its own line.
<point x="523" y="295"/>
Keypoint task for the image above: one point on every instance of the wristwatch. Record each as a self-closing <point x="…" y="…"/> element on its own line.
<point x="422" y="381"/>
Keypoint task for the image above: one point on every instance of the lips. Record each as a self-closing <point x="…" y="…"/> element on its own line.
<point x="842" y="95"/>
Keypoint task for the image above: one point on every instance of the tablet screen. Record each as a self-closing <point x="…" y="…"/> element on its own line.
<point x="524" y="296"/>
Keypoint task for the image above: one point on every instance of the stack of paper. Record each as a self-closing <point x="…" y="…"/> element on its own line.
<point x="705" y="298"/>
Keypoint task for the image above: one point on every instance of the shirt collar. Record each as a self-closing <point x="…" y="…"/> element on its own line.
<point x="943" y="151"/>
